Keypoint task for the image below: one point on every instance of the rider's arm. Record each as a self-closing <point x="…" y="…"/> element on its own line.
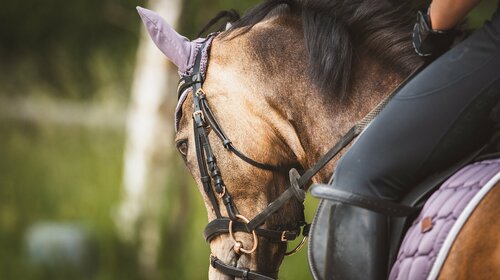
<point x="446" y="14"/>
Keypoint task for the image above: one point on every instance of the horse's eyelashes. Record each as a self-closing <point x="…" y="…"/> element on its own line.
<point x="182" y="147"/>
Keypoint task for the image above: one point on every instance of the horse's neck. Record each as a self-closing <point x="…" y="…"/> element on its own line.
<point x="323" y="121"/>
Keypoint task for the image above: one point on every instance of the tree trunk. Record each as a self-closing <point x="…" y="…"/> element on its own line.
<point x="148" y="145"/>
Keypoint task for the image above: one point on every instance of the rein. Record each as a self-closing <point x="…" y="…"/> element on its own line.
<point x="213" y="183"/>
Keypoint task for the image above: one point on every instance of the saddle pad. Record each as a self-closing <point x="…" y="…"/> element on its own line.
<point x="429" y="239"/>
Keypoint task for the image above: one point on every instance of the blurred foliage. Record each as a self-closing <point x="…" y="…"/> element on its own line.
<point x="70" y="49"/>
<point x="67" y="174"/>
<point x="84" y="50"/>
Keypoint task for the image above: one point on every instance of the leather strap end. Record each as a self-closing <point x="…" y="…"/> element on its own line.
<point x="374" y="204"/>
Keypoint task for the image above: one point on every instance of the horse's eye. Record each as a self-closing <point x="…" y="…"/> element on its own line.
<point x="182" y="147"/>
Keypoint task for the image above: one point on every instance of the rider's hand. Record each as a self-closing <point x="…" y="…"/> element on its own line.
<point x="428" y="41"/>
<point x="433" y="33"/>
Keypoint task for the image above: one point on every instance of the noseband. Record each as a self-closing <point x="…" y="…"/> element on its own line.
<point x="214" y="187"/>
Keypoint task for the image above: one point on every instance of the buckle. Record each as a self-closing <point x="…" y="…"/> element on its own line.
<point x="220" y="195"/>
<point x="199" y="113"/>
<point x="199" y="92"/>
<point x="283" y="236"/>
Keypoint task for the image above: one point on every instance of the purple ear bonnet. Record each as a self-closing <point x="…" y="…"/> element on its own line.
<point x="203" y="71"/>
<point x="177" y="48"/>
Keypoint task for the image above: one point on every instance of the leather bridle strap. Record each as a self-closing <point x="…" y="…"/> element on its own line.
<point x="221" y="226"/>
<point x="375" y="204"/>
<point x="294" y="190"/>
<point x="204" y="153"/>
<point x="226" y="142"/>
<point x="243" y="273"/>
<point x="205" y="178"/>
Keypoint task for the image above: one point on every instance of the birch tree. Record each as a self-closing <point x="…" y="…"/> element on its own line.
<point x="149" y="133"/>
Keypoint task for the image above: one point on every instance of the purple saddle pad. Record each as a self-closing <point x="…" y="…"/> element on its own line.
<point x="431" y="235"/>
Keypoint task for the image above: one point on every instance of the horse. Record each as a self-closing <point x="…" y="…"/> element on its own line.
<point x="275" y="91"/>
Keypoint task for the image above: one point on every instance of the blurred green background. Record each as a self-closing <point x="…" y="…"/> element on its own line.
<point x="66" y="69"/>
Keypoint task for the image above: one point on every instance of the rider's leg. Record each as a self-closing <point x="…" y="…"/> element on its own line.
<point x="437" y="118"/>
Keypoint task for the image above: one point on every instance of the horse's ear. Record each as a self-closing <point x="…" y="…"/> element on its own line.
<point x="177" y="48"/>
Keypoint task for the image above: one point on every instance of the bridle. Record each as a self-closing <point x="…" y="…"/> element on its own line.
<point x="214" y="187"/>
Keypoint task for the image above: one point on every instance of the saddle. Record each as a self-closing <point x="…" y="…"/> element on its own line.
<point x="323" y="224"/>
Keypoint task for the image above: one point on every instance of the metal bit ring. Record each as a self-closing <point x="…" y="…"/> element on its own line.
<point x="238" y="246"/>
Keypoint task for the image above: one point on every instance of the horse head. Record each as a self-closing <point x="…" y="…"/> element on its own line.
<point x="255" y="124"/>
<point x="254" y="114"/>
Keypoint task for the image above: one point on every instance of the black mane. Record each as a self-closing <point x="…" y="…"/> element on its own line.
<point x="336" y="30"/>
